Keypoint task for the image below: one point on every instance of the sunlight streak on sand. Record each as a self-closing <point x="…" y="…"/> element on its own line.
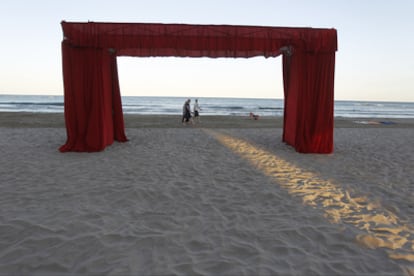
<point x="379" y="227"/>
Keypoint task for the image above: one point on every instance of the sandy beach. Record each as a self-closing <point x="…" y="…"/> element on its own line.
<point x="223" y="197"/>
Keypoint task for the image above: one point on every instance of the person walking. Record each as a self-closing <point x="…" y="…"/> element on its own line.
<point x="186" y="112"/>
<point x="197" y="110"/>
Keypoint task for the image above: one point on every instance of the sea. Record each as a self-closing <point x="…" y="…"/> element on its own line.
<point x="209" y="106"/>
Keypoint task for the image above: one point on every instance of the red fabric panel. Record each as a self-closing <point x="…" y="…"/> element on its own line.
<point x="118" y="120"/>
<point x="291" y="79"/>
<point x="69" y="98"/>
<point x="316" y="117"/>
<point x="154" y="39"/>
<point x="88" y="99"/>
<point x="309" y="100"/>
<point x="104" y="97"/>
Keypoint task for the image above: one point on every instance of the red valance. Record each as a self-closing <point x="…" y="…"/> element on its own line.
<point x="93" y="110"/>
<point x="146" y="39"/>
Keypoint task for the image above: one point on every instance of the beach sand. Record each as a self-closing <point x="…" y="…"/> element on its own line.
<point x="224" y="197"/>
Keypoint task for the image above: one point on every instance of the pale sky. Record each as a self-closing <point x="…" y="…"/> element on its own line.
<point x="375" y="59"/>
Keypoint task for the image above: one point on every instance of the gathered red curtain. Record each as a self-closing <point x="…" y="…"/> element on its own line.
<point x="93" y="107"/>
<point x="309" y="101"/>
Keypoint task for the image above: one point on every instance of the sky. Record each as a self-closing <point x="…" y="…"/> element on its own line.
<point x="374" y="61"/>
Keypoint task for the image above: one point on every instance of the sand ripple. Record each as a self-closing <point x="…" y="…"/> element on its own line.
<point x="177" y="201"/>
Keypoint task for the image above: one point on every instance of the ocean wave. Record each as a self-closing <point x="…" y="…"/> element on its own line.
<point x="271" y="108"/>
<point x="210" y="106"/>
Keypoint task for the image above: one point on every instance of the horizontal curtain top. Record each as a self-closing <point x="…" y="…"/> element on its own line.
<point x="185" y="40"/>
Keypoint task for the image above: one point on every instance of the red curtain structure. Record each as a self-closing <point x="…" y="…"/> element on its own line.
<point x="93" y="108"/>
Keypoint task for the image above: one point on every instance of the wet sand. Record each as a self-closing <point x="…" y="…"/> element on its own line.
<point x="53" y="120"/>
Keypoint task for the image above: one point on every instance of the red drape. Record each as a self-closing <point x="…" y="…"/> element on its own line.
<point x="93" y="108"/>
<point x="309" y="99"/>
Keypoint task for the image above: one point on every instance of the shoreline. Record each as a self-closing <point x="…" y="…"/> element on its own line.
<point x="56" y="120"/>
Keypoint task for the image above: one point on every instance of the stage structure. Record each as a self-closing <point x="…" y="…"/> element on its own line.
<point x="92" y="100"/>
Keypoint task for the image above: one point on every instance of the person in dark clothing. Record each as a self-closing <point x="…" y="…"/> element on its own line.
<point x="186" y="112"/>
